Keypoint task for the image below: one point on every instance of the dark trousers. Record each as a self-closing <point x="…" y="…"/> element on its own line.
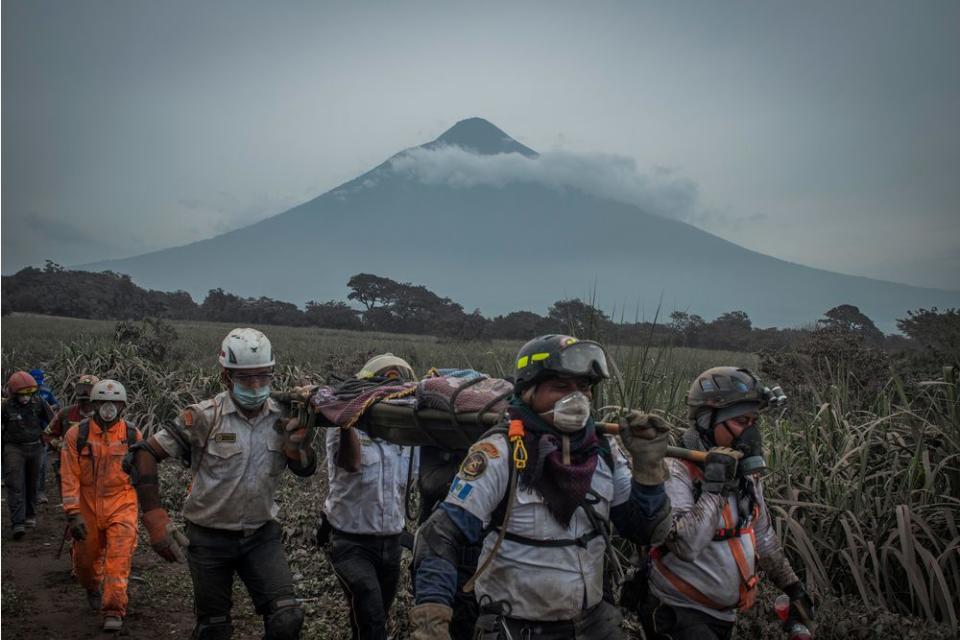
<point x="600" y="622"/>
<point x="42" y="473"/>
<point x="665" y="622"/>
<point x="437" y="470"/>
<point x="21" y="468"/>
<point x="368" y="567"/>
<point x="214" y="555"/>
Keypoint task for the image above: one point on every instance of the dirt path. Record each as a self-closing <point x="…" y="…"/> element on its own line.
<point x="42" y="600"/>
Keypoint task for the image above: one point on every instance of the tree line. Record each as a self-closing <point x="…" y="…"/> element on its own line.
<point x="383" y="304"/>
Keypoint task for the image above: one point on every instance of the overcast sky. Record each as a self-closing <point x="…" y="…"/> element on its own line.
<point x="825" y="133"/>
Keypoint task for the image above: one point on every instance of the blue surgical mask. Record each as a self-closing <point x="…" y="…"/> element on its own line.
<point x="250" y="398"/>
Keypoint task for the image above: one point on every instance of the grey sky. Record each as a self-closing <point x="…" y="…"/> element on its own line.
<point x="826" y="133"/>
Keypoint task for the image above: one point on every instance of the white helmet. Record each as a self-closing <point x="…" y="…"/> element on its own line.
<point x="377" y="365"/>
<point x="245" y="349"/>
<point x="108" y="391"/>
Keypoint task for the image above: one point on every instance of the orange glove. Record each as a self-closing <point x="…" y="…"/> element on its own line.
<point x="168" y="541"/>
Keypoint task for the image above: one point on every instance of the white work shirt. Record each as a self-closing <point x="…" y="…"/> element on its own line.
<point x="540" y="583"/>
<point x="369" y="501"/>
<point x="237" y="464"/>
<point x="713" y="572"/>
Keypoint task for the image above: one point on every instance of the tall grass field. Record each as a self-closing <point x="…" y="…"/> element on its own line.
<point x="866" y="501"/>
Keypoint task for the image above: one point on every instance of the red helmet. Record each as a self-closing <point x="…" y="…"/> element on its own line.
<point x="21" y="382"/>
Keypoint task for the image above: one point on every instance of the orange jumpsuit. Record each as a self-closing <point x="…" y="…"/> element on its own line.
<point x="94" y="484"/>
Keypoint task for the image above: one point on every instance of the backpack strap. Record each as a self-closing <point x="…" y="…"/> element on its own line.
<point x="514" y="434"/>
<point x="83" y="435"/>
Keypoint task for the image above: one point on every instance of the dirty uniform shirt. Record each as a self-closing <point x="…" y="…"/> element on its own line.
<point x="236" y="463"/>
<point x="710" y="566"/>
<point x="540" y="583"/>
<point x="370" y="501"/>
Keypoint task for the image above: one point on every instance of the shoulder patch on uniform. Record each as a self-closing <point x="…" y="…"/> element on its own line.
<point x="487" y="448"/>
<point x="460" y="489"/>
<point x="187" y="418"/>
<point x="474" y="465"/>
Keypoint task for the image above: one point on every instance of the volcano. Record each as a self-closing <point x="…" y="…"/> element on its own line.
<point x="507" y="245"/>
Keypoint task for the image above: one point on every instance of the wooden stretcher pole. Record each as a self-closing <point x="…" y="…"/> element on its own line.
<point x="612" y="428"/>
<point x="400" y="419"/>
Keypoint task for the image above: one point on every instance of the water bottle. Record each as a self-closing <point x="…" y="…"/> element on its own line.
<point x="795" y="630"/>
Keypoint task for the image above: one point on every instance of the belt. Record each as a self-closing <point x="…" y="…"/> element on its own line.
<point x="364" y="537"/>
<point x="230" y="533"/>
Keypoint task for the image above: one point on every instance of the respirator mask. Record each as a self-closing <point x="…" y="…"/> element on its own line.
<point x="750" y="444"/>
<point x="570" y="413"/>
<point x="108" y="412"/>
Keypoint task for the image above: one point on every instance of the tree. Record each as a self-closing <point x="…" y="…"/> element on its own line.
<point x="688" y="326"/>
<point x="937" y="332"/>
<point x="730" y="330"/>
<point x="518" y="325"/>
<point x="848" y="318"/>
<point x="333" y="314"/>
<point x="368" y="289"/>
<point x="578" y="318"/>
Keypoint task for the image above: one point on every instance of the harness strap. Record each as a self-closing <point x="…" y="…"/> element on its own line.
<point x="748" y="580"/>
<point x="581" y="541"/>
<point x="726" y="534"/>
<point x="681" y="585"/>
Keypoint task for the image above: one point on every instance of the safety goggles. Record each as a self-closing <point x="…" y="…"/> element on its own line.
<point x="250" y="379"/>
<point x="579" y="359"/>
<point x="29" y="391"/>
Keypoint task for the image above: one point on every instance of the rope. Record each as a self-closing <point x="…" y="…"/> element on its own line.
<point x="515" y="435"/>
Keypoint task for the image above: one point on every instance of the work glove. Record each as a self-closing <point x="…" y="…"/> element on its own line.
<point x="646" y="437"/>
<point x="296" y="441"/>
<point x="430" y="621"/>
<point x="801" y="605"/>
<point x="720" y="470"/>
<point x="168" y="541"/>
<point x="78" y="528"/>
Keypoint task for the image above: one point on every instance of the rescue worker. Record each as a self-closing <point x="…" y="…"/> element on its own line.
<point x="237" y="445"/>
<point x="70" y="416"/>
<point x="100" y="502"/>
<point x="24" y="416"/>
<point x="540" y="491"/>
<point x="365" y="509"/>
<point x="721" y="534"/>
<point x="45" y="392"/>
<point x="438" y="468"/>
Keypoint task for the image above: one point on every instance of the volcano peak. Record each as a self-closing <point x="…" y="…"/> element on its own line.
<point x="480" y="136"/>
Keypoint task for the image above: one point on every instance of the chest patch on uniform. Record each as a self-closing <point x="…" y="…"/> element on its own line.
<point x="460" y="489"/>
<point x="225" y="437"/>
<point x="474" y="465"/>
<point x="486" y="448"/>
<point x="366" y="442"/>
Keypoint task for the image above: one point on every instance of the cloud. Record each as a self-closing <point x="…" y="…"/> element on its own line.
<point x="661" y="191"/>
<point x="220" y="212"/>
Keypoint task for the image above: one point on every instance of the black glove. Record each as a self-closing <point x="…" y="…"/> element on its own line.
<point x="801" y="606"/>
<point x="720" y="470"/>
<point x="78" y="528"/>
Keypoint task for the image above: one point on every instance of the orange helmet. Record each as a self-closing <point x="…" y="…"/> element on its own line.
<point x="88" y="378"/>
<point x="22" y="382"/>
